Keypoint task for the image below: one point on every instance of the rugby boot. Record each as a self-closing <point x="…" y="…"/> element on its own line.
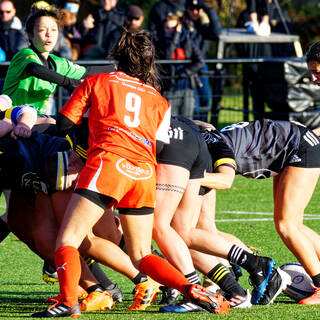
<point x="184" y="306"/>
<point x="49" y="274"/>
<point x="278" y="281"/>
<point x="97" y="301"/>
<point x="313" y="299"/>
<point x="144" y="293"/>
<point x="169" y="295"/>
<point x="212" y="302"/>
<point x="260" y="277"/>
<point x="59" y="310"/>
<point x="245" y="303"/>
<point x="115" y="292"/>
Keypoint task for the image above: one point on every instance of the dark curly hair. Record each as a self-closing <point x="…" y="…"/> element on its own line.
<point x="313" y="53"/>
<point x="36" y="13"/>
<point x="135" y="55"/>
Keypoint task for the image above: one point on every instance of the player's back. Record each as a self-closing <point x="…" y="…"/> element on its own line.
<point x="125" y="115"/>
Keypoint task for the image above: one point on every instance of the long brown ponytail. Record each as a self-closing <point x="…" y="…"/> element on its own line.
<point x="135" y="55"/>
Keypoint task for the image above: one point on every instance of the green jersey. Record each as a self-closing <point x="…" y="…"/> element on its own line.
<point x="25" y="89"/>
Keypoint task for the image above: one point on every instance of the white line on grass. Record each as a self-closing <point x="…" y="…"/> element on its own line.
<point x="262" y="213"/>
<point x="263" y="219"/>
<point x="306" y="216"/>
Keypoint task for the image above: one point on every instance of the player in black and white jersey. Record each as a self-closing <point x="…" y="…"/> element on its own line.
<point x="290" y="153"/>
<point x="181" y="165"/>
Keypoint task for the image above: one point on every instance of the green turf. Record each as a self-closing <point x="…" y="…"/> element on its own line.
<point x="22" y="291"/>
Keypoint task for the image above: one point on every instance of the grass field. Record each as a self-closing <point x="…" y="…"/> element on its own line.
<point x="22" y="291"/>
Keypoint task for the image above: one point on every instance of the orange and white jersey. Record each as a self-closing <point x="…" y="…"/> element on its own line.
<point x="126" y="116"/>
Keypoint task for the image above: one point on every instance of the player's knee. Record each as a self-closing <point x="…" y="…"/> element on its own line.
<point x="185" y="234"/>
<point x="160" y="230"/>
<point x="286" y="228"/>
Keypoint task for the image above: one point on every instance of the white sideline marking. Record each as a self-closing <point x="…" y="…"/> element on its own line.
<point x="263" y="219"/>
<point x="263" y="213"/>
<point x="306" y="216"/>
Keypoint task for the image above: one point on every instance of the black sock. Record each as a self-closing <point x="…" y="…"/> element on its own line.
<point x="225" y="280"/>
<point x="99" y="274"/>
<point x="316" y="280"/>
<point x="193" y="277"/>
<point x="122" y="245"/>
<point x="4" y="230"/>
<point x="140" y="277"/>
<point x="48" y="267"/>
<point x="242" y="258"/>
<point x="95" y="288"/>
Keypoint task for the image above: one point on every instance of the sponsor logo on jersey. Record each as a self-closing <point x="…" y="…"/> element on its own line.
<point x="132" y="135"/>
<point x="142" y="172"/>
<point x="294" y="159"/>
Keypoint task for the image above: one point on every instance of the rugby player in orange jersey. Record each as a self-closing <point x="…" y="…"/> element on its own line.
<point x="127" y="115"/>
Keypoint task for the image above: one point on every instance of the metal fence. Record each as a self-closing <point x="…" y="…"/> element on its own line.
<point x="230" y="100"/>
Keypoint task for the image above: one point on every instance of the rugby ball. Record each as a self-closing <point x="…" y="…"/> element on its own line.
<point x="300" y="286"/>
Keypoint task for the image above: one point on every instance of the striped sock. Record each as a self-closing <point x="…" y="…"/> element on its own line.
<point x="193" y="277"/>
<point x="225" y="280"/>
<point x="242" y="258"/>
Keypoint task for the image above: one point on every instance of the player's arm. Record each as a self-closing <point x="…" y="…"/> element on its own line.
<point x="91" y="70"/>
<point x="204" y="125"/>
<point x="317" y="131"/>
<point x="224" y="165"/>
<point x="222" y="178"/>
<point x="23" y="119"/>
<point x="73" y="111"/>
<point x="5" y="127"/>
<point x="39" y="71"/>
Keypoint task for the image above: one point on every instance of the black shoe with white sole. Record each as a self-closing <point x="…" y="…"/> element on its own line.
<point x="278" y="281"/>
<point x="60" y="310"/>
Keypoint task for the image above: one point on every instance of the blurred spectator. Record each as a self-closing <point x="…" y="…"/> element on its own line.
<point x="70" y="31"/>
<point x="72" y="6"/>
<point x="2" y="55"/>
<point x="105" y="20"/>
<point x="254" y="72"/>
<point x="258" y="22"/>
<point x="160" y="11"/>
<point x="132" y="22"/>
<point x="204" y="27"/>
<point x="181" y="79"/>
<point x="12" y="36"/>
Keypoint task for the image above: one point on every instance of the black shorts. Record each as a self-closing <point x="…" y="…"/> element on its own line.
<point x="187" y="149"/>
<point x="104" y="201"/>
<point x="308" y="154"/>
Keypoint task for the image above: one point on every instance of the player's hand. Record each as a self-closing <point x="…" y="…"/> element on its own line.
<point x="204" y="125"/>
<point x="20" y="130"/>
<point x="317" y="131"/>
